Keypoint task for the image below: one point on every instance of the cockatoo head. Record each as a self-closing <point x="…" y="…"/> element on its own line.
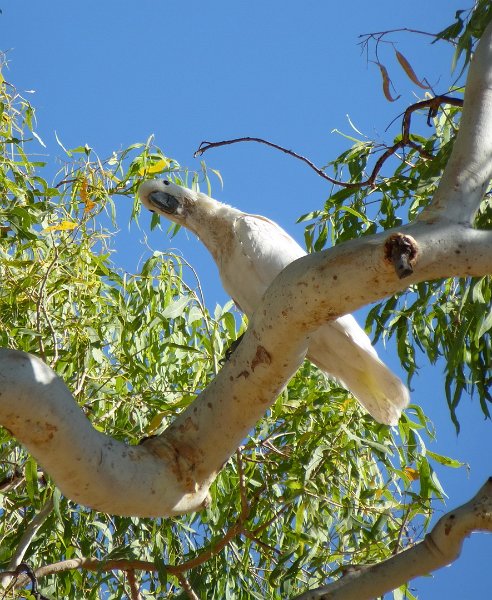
<point x="167" y="199"/>
<point x="179" y="204"/>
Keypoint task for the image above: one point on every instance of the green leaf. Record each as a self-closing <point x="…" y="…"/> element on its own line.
<point x="31" y="474"/>
<point x="485" y="325"/>
<point x="445" y="460"/>
<point x="176" y="308"/>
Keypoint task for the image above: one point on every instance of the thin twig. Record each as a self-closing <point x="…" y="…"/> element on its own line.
<point x="41" y="307"/>
<point x="432" y="104"/>
<point x="245" y="509"/>
<point x="400" y="29"/>
<point x="204" y="146"/>
<point x="403" y="525"/>
<point x="378" y="36"/>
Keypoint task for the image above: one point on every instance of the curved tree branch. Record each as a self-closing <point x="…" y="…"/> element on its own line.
<point x="438" y="549"/>
<point x="131" y="565"/>
<point x="171" y="473"/>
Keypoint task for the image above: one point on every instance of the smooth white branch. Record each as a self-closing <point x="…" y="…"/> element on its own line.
<point x="28" y="535"/>
<point x="438" y="549"/>
<point x="469" y="169"/>
<point x="172" y="473"/>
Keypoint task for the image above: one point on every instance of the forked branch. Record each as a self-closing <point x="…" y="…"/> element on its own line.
<point x="172" y="473"/>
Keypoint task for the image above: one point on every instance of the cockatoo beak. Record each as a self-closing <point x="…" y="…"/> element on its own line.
<point x="164" y="202"/>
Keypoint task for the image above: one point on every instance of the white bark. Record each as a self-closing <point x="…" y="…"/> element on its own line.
<point x="439" y="548"/>
<point x="469" y="169"/>
<point x="173" y="472"/>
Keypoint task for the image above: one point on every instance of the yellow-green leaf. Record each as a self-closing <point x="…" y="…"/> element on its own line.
<point x="61" y="226"/>
<point x="156" y="422"/>
<point x="411" y="473"/>
<point x="157" y="167"/>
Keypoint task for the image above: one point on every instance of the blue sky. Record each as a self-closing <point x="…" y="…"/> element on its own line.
<point x="111" y="73"/>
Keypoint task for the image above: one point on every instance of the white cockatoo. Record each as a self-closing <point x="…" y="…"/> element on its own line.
<point x="250" y="251"/>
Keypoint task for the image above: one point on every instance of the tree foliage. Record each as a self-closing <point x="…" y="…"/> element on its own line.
<point x="446" y="320"/>
<point x="317" y="485"/>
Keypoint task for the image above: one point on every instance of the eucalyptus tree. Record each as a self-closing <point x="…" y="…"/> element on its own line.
<point x="135" y="462"/>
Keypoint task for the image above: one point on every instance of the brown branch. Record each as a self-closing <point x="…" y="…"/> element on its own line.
<point x="432" y="104"/>
<point x="133" y="585"/>
<point x="93" y="564"/>
<point x="132" y="565"/>
<point x="185" y="584"/>
<point x="204" y="146"/>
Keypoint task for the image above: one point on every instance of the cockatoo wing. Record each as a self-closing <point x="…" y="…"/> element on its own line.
<point x="262" y="250"/>
<point x="342" y="349"/>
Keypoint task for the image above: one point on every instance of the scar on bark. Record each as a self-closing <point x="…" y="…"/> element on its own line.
<point x="182" y="457"/>
<point x="261" y="356"/>
<point x="402" y="251"/>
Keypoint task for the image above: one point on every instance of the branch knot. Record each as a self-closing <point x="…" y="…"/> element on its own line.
<point x="402" y="251"/>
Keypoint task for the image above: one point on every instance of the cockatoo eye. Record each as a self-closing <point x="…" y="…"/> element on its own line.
<point x="165" y="182"/>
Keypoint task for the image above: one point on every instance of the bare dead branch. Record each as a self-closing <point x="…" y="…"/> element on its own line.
<point x="378" y="36"/>
<point x="432" y="104"/>
<point x="204" y="146"/>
